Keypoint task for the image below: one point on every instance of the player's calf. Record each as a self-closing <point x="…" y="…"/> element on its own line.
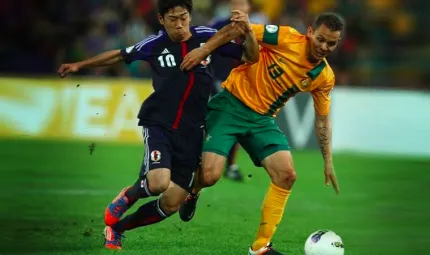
<point x="154" y="183"/>
<point x="172" y="198"/>
<point x="279" y="165"/>
<point x="154" y="211"/>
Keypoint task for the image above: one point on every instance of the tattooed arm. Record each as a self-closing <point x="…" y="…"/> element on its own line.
<point x="323" y="132"/>
<point x="321" y="97"/>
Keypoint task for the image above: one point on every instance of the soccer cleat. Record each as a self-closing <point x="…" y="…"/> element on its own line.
<point x="188" y="207"/>
<point x="112" y="239"/>
<point x="116" y="208"/>
<point x="267" y="250"/>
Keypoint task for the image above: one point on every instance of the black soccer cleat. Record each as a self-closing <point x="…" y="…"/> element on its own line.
<point x="188" y="207"/>
<point x="267" y="250"/>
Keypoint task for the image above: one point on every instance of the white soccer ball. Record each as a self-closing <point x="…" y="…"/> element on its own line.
<point x="324" y="242"/>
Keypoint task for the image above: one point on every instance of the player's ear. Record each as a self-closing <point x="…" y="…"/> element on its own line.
<point x="310" y="31"/>
<point x="160" y="19"/>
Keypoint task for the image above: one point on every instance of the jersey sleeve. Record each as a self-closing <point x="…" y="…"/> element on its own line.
<point x="321" y="97"/>
<point x="139" y="51"/>
<point x="271" y="36"/>
<point x="230" y="49"/>
<point x="219" y="24"/>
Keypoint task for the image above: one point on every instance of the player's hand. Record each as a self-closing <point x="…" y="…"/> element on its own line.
<point x="193" y="58"/>
<point x="65" y="69"/>
<point x="330" y="177"/>
<point x="241" y="17"/>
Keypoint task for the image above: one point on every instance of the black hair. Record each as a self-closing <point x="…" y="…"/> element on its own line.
<point x="330" y="20"/>
<point x="165" y="5"/>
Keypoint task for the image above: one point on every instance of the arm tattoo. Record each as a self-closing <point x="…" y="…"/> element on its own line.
<point x="323" y="132"/>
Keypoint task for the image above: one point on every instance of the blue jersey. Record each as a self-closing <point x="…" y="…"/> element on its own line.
<point x="179" y="99"/>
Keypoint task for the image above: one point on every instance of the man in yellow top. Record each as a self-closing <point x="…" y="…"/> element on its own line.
<point x="289" y="63"/>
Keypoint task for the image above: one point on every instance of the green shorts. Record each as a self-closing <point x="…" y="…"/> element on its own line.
<point x="229" y="121"/>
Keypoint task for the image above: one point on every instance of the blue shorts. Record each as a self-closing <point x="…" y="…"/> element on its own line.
<point x="179" y="152"/>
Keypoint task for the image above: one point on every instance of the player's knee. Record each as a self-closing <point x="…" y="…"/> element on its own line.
<point x="169" y="207"/>
<point x="209" y="175"/>
<point x="211" y="169"/>
<point x="209" y="179"/>
<point x="158" y="181"/>
<point x="284" y="177"/>
<point x="158" y="187"/>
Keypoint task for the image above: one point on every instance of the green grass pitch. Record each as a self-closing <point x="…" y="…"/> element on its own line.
<point x="54" y="194"/>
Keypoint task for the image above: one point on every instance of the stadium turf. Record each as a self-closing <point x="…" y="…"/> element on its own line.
<point x="54" y="193"/>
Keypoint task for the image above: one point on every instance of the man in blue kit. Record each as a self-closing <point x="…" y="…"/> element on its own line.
<point x="172" y="117"/>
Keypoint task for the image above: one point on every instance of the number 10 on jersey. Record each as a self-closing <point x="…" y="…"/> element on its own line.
<point x="167" y="60"/>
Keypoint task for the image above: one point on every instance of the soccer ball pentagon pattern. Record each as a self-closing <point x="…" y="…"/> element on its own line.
<point x="324" y="242"/>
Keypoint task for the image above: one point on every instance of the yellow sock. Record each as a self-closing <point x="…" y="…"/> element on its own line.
<point x="271" y="214"/>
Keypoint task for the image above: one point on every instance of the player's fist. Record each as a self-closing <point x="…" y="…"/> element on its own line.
<point x="241" y="19"/>
<point x="65" y="69"/>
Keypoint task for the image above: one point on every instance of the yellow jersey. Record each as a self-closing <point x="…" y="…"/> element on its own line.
<point x="281" y="72"/>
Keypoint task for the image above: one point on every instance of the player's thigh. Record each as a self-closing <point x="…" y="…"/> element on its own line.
<point x="172" y="198"/>
<point x="186" y="155"/>
<point x="221" y="132"/>
<point x="263" y="141"/>
<point x="156" y="163"/>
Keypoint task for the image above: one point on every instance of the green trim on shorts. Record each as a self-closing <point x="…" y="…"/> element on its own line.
<point x="273" y="149"/>
<point x="218" y="152"/>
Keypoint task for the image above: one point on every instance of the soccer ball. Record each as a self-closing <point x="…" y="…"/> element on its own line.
<point x="324" y="242"/>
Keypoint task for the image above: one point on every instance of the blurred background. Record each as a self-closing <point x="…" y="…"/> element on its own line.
<point x="386" y="44"/>
<point x="68" y="146"/>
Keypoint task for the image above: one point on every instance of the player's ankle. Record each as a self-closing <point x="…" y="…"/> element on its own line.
<point x="195" y="192"/>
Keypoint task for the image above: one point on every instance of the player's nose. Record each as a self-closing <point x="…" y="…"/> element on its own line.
<point x="324" y="47"/>
<point x="179" y="25"/>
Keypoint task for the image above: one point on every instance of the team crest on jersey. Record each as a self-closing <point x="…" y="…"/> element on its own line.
<point x="206" y="62"/>
<point x="155" y="156"/>
<point x="306" y="82"/>
<point x="208" y="138"/>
